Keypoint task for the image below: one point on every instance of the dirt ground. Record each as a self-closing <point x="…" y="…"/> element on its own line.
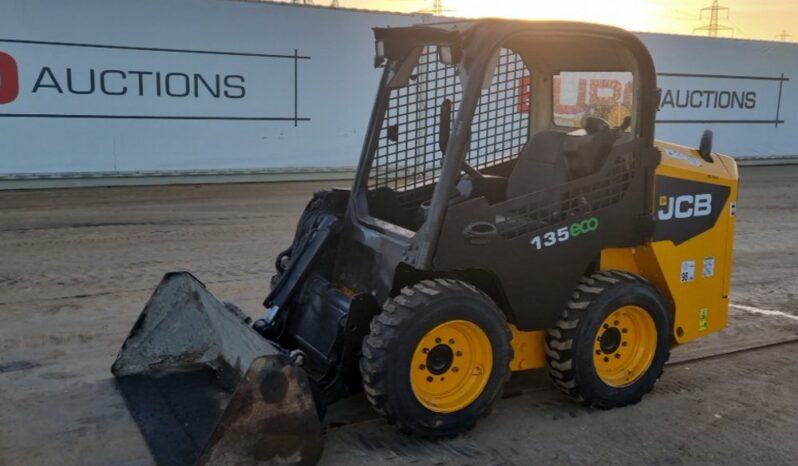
<point x="76" y="267"/>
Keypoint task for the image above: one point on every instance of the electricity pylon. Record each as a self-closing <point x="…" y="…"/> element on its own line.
<point x="437" y="8"/>
<point x="713" y="27"/>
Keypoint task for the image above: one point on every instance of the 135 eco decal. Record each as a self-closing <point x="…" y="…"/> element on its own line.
<point x="686" y="208"/>
<point x="564" y="234"/>
<point x="9" y="78"/>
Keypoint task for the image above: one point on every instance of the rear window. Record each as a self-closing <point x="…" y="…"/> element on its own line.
<point x="603" y="94"/>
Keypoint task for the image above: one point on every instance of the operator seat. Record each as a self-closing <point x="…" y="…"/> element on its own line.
<point x="540" y="165"/>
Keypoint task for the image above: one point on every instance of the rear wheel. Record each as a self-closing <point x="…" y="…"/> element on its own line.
<point x="612" y="341"/>
<point x="436" y="358"/>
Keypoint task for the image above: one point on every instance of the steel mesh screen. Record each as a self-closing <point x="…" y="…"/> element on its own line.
<point x="408" y="157"/>
<point x="573" y="199"/>
<point x="500" y="128"/>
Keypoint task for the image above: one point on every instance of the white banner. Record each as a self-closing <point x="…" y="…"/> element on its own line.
<point x="122" y="86"/>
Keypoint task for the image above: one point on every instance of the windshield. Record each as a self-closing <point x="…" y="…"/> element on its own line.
<point x="408" y="158"/>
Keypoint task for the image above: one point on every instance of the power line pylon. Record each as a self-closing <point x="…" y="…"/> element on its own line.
<point x="783" y="36"/>
<point x="713" y="27"/>
<point x="437" y="8"/>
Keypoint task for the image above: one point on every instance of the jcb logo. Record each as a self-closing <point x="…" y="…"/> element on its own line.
<point x="9" y="78"/>
<point x="685" y="206"/>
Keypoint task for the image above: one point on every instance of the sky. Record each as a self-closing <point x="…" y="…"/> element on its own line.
<point x="751" y="19"/>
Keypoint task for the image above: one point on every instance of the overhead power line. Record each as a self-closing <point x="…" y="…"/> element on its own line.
<point x="714" y="12"/>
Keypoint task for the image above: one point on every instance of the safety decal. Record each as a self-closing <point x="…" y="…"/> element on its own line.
<point x="709" y="267"/>
<point x="674" y="154"/>
<point x="703" y="319"/>
<point x="688" y="271"/>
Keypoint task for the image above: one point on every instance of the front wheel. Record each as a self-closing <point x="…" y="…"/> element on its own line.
<point x="612" y="342"/>
<point x="436" y="357"/>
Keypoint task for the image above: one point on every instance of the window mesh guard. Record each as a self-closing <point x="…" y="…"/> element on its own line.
<point x="570" y="200"/>
<point x="408" y="157"/>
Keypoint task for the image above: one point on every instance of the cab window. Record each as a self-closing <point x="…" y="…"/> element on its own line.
<point x="603" y="94"/>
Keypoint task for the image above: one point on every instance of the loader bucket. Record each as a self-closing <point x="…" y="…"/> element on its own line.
<point x="205" y="388"/>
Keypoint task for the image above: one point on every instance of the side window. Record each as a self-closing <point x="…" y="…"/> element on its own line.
<point x="500" y="128"/>
<point x="603" y="94"/>
<point x="408" y="159"/>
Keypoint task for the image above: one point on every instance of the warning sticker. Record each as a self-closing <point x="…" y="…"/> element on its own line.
<point x="688" y="271"/>
<point x="703" y="319"/>
<point x="709" y="267"/>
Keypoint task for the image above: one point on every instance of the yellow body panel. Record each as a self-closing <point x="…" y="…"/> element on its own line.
<point x="700" y="305"/>
<point x="527" y="349"/>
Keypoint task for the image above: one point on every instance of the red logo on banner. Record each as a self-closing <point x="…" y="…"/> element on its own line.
<point x="9" y="78"/>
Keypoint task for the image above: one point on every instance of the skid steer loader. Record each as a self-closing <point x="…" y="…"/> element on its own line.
<point x="511" y="211"/>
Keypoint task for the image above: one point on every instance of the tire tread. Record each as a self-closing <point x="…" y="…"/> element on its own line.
<point x="385" y="328"/>
<point x="561" y="340"/>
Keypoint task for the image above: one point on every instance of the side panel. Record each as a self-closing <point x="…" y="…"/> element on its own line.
<point x="690" y="257"/>
<point x="528" y="352"/>
<point x="543" y="243"/>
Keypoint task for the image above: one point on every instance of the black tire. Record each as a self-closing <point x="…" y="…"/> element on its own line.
<point x="569" y="346"/>
<point x="395" y="334"/>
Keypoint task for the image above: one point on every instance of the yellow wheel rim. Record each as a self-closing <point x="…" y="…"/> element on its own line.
<point x="625" y="346"/>
<point x="451" y="365"/>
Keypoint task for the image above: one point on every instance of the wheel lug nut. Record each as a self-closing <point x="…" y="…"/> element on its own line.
<point x="459" y="353"/>
<point x="606" y="359"/>
<point x="455" y="369"/>
<point x="606" y="326"/>
<point x="437" y="340"/>
<point x="598" y="351"/>
<point x="623" y="330"/>
<point x="429" y="379"/>
<point x="623" y="343"/>
<point x="426" y="350"/>
<point x="422" y="367"/>
<point x="617" y="356"/>
<point x="451" y="341"/>
<point x="616" y="323"/>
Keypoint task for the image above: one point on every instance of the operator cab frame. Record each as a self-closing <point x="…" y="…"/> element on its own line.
<point x="404" y="189"/>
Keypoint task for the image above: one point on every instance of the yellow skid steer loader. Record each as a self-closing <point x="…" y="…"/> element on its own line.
<point x="511" y="211"/>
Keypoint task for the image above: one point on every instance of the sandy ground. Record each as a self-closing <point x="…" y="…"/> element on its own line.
<point x="76" y="267"/>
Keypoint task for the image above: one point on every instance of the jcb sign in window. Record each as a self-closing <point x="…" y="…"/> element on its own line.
<point x="603" y="94"/>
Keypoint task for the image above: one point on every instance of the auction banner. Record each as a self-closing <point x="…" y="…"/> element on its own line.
<point x="184" y="86"/>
